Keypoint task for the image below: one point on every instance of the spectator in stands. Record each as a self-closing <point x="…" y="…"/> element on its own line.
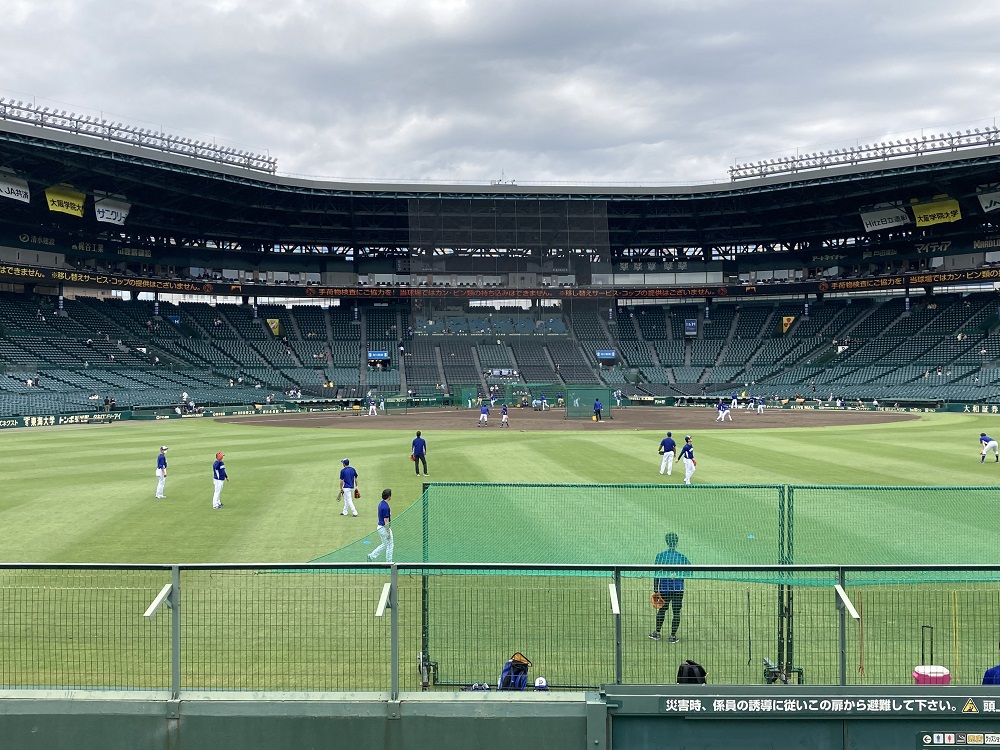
<point x="90" y="342"/>
<point x="114" y="403"/>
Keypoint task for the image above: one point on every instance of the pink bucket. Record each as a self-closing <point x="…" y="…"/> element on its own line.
<point x="929" y="674"/>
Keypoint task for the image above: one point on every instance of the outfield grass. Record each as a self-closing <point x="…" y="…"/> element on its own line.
<point x="85" y="494"/>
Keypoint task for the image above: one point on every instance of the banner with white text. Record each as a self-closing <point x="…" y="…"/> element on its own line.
<point x="14" y="188"/>
<point x="111" y="210"/>
<point x="884" y="218"/>
<point x="990" y="201"/>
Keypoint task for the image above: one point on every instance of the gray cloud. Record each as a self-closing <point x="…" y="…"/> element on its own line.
<point x="638" y="92"/>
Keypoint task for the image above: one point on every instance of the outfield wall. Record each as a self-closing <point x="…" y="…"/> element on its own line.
<point x="631" y="717"/>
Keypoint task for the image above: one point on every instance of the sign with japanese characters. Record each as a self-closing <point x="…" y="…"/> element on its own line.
<point x="14" y="188"/>
<point x="110" y="210"/>
<point x="807" y="706"/>
<point x="64" y="199"/>
<point x="936" y="212"/>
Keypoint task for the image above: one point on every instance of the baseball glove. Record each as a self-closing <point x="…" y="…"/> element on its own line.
<point x="412" y="457"/>
<point x="340" y="495"/>
<point x="656" y="600"/>
<point x="357" y="494"/>
<point x="660" y="452"/>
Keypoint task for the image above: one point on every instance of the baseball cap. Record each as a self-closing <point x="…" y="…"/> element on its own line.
<point x="163" y="447"/>
<point x="541" y="683"/>
<point x="345" y="461"/>
<point x="687" y="437"/>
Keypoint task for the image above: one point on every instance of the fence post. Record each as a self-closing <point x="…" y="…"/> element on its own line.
<point x="843" y="630"/>
<point x="394" y="633"/>
<point x="175" y="632"/>
<point x="618" y="629"/>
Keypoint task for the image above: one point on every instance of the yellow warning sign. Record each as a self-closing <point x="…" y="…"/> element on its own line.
<point x="970" y="707"/>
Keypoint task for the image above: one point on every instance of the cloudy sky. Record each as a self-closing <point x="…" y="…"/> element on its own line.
<point x="546" y="91"/>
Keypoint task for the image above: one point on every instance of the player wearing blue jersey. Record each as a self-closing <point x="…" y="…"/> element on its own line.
<point x="349" y="486"/>
<point x="989" y="444"/>
<point x="597" y="410"/>
<point x="671" y="590"/>
<point x="484" y="416"/>
<point x="419" y="450"/>
<point x="384" y="529"/>
<point x="668" y="449"/>
<point x="687" y="457"/>
<point x="161" y="471"/>
<point x="503" y="416"/>
<point x="219" y="479"/>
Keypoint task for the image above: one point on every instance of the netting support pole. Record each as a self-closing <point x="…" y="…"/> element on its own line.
<point x="394" y="631"/>
<point x="175" y="632"/>
<point x="842" y="609"/>
<point x="618" y="630"/>
<point x="425" y="637"/>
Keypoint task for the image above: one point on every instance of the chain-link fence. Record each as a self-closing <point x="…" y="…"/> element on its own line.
<point x="377" y="627"/>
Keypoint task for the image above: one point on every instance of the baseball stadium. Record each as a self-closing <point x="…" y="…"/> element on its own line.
<point x="822" y="332"/>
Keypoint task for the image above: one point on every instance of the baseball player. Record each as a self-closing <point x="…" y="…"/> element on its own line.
<point x="668" y="449"/>
<point x="383" y="528"/>
<point x="348" y="484"/>
<point x="670" y="589"/>
<point x="503" y="416"/>
<point x="161" y="472"/>
<point x="760" y="404"/>
<point x="989" y="444"/>
<point x="724" y="412"/>
<point x="484" y="416"/>
<point x="687" y="456"/>
<point x="372" y="407"/>
<point x="219" y="478"/>
<point x="597" y="409"/>
<point x="418" y="448"/>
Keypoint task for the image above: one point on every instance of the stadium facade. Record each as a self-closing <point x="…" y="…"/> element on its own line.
<point x="660" y="291"/>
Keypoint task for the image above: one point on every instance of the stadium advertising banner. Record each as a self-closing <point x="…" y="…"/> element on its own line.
<point x="989" y="201"/>
<point x="14" y="188"/>
<point x="111" y="210"/>
<point x="937" y="212"/>
<point x="884" y="218"/>
<point x="606" y="354"/>
<point x="64" y="199"/>
<point x="17" y="273"/>
<point x="690" y="327"/>
<point x="378" y="355"/>
<point x="53" y="420"/>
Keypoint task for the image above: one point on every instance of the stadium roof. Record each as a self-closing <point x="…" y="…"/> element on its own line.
<point x="184" y="201"/>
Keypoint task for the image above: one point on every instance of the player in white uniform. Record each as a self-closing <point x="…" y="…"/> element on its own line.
<point x="989" y="444"/>
<point x="161" y="472"/>
<point x="687" y="456"/>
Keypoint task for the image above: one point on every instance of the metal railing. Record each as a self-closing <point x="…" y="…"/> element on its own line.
<point x="308" y="628"/>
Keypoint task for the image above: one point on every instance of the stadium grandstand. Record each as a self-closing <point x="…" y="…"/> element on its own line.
<point x="137" y="267"/>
